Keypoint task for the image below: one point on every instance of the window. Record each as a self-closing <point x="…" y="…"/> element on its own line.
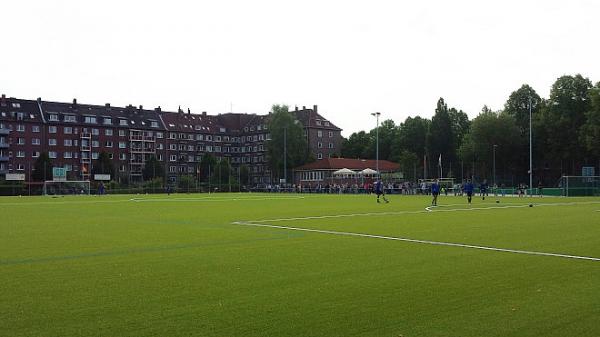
<point x="122" y="145"/>
<point x="35" y="128"/>
<point x="20" y="154"/>
<point x="35" y="154"/>
<point x="123" y="122"/>
<point x="68" y="155"/>
<point x="95" y="132"/>
<point x="159" y="146"/>
<point x="21" y="128"/>
<point x="21" y="141"/>
<point x="35" y="141"/>
<point x="154" y="124"/>
<point x="111" y="156"/>
<point x="318" y="122"/>
<point x="172" y="147"/>
<point x="94" y="155"/>
<point x="320" y="145"/>
<point x="209" y="138"/>
<point x="67" y="130"/>
<point x="217" y="149"/>
<point x="159" y="135"/>
<point x="68" y="142"/>
<point x="95" y="143"/>
<point x="52" y="154"/>
<point x="331" y="145"/>
<point x="70" y="119"/>
<point x="90" y="119"/>
<point x="199" y="137"/>
<point x="190" y="147"/>
<point x="122" y="168"/>
<point x="319" y="133"/>
<point x="319" y="155"/>
<point x="122" y="156"/>
<point x="53" y="117"/>
<point x="172" y="135"/>
<point x="16" y="105"/>
<point x="121" y="133"/>
<point x="108" y="144"/>
<point x="20" y="167"/>
<point x="52" y="129"/>
<point x="217" y="138"/>
<point x="173" y="158"/>
<point x="208" y="148"/>
<point x="172" y="169"/>
<point x="108" y="132"/>
<point x="107" y="121"/>
<point x="52" y="142"/>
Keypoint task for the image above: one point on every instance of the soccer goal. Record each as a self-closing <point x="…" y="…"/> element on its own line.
<point x="67" y="187"/>
<point x="579" y="186"/>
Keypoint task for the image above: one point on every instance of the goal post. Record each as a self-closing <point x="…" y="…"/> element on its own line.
<point x="52" y="187"/>
<point x="579" y="186"/>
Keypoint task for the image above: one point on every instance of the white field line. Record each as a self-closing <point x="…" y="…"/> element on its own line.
<point x="428" y="242"/>
<point x="215" y="199"/>
<point x="431" y="210"/>
<point x="36" y="203"/>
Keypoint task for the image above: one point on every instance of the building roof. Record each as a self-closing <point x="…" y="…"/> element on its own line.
<point x="353" y="164"/>
<point x="311" y="118"/>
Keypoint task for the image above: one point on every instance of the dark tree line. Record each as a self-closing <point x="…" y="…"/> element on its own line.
<point x="565" y="136"/>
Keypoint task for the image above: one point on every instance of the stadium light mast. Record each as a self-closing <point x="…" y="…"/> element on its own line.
<point x="377" y="114"/>
<point x="530" y="151"/>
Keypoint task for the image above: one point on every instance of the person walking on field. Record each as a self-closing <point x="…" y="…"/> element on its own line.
<point x="469" y="190"/>
<point x="379" y="191"/>
<point x="435" y="191"/>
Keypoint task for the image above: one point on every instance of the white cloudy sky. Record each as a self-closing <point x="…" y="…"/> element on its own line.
<point x="349" y="57"/>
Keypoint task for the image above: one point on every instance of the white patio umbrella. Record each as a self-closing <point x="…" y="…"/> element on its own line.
<point x="343" y="171"/>
<point x="368" y="172"/>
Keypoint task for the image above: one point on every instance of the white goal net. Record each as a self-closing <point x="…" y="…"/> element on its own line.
<point x="66" y="187"/>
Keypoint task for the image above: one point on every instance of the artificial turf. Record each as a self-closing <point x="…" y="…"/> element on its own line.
<point x="157" y="265"/>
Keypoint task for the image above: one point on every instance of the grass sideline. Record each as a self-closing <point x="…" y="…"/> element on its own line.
<point x="152" y="265"/>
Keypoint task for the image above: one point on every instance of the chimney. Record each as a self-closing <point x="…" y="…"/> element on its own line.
<point x="74" y="101"/>
<point x="296" y="108"/>
<point x="141" y="107"/>
<point x="179" y="109"/>
<point x="303" y="107"/>
<point x="158" y="109"/>
<point x="189" y="112"/>
<point x="107" y="105"/>
<point x="39" y="99"/>
<point x="3" y="100"/>
<point x="315" y="108"/>
<point x="203" y="113"/>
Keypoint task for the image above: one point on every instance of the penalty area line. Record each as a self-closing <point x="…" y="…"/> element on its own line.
<point x="428" y="242"/>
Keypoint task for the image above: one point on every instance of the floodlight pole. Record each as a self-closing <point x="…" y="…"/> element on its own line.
<point x="530" y="152"/>
<point x="285" y="155"/>
<point x="377" y="114"/>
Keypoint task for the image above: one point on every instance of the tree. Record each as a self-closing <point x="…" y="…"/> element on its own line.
<point x="221" y="172"/>
<point x="284" y="127"/>
<point x="563" y="119"/>
<point x="244" y="175"/>
<point x="441" y="136"/>
<point x="590" y="131"/>
<point x="153" y="169"/>
<point x="411" y="137"/>
<point x="517" y="106"/>
<point x="103" y="165"/>
<point x="357" y="145"/>
<point x="488" y="129"/>
<point x="207" y="166"/>
<point x="387" y="133"/>
<point x="42" y="168"/>
<point x="460" y="125"/>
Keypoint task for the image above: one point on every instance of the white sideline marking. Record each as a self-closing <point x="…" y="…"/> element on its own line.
<point x="214" y="199"/>
<point x="428" y="242"/>
<point x="431" y="210"/>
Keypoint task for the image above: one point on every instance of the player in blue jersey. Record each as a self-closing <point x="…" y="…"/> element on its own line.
<point x="469" y="190"/>
<point x="379" y="190"/>
<point x="435" y="191"/>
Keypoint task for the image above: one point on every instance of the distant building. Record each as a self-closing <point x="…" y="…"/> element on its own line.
<point x="73" y="134"/>
<point x="321" y="171"/>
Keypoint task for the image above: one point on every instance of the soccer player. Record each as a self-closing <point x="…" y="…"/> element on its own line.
<point x="483" y="189"/>
<point x="379" y="191"/>
<point x="435" y="191"/>
<point x="469" y="190"/>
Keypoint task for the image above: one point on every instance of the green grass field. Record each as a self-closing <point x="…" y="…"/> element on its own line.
<point x="208" y="265"/>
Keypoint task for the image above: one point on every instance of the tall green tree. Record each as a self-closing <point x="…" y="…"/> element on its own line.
<point x="387" y="133"/>
<point x="563" y="119"/>
<point x="357" y="145"/>
<point x="207" y="166"/>
<point x="222" y="172"/>
<point x="282" y="124"/>
<point x="517" y="106"/>
<point x="42" y="168"/>
<point x="103" y="165"/>
<point x="590" y="132"/>
<point x="153" y="169"/>
<point x="441" y="137"/>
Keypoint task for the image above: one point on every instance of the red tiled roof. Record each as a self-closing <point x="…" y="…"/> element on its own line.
<point x="353" y="164"/>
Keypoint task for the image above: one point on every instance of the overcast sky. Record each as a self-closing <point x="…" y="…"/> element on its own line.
<point x="349" y="57"/>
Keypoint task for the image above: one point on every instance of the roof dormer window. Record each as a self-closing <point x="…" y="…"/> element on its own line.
<point x="123" y="122"/>
<point x="53" y="117"/>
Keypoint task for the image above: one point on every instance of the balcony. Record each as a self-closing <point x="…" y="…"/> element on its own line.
<point x="3" y="145"/>
<point x="4" y="132"/>
<point x="3" y="158"/>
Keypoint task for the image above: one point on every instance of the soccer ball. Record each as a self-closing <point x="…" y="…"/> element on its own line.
<point x="497" y="201"/>
<point x="530" y="205"/>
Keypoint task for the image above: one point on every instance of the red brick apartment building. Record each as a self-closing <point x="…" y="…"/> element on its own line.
<point x="74" y="134"/>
